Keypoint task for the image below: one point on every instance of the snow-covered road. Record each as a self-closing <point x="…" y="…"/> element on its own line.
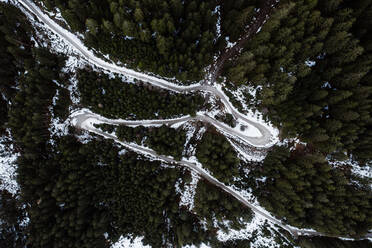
<point x="85" y="120"/>
<point x="254" y="137"/>
<point x="266" y="137"/>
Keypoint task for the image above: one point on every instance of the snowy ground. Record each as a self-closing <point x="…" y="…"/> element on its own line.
<point x="365" y="171"/>
<point x="57" y="127"/>
<point x="189" y="191"/>
<point x="75" y="61"/>
<point x="254" y="231"/>
<point x="130" y="242"/>
<point x="356" y="169"/>
<point x="192" y="135"/>
<point x="8" y="167"/>
<point x="247" y="154"/>
<point x="217" y="11"/>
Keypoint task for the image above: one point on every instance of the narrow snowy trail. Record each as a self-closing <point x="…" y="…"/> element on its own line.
<point x="85" y="120"/>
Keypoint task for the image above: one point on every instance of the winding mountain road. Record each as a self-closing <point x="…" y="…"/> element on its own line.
<point x="256" y="141"/>
<point x="263" y="140"/>
<point x="86" y="119"/>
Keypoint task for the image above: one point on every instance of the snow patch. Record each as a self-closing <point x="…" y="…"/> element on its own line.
<point x="218" y="22"/>
<point x="188" y="194"/>
<point x="189" y="148"/>
<point x="310" y="63"/>
<point x="245" y="156"/>
<point x="8" y="166"/>
<point x="356" y="169"/>
<point x="57" y="126"/>
<point x="229" y="44"/>
<point x="254" y="232"/>
<point x="129" y="242"/>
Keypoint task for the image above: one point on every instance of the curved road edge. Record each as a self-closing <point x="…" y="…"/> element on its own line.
<point x="257" y="141"/>
<point x="91" y="58"/>
<point x="85" y="121"/>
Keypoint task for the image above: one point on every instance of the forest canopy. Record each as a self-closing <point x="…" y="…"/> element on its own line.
<point x="308" y="61"/>
<point x="115" y="99"/>
<point x="302" y="187"/>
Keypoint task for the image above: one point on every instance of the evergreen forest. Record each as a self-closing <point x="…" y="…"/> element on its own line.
<point x="299" y="70"/>
<point x="113" y="98"/>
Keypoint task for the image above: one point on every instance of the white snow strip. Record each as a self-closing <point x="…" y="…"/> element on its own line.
<point x="178" y="124"/>
<point x="217" y="11"/>
<point x="8" y="166"/>
<point x="358" y="170"/>
<point x="253" y="231"/>
<point x="187" y="196"/>
<point x="57" y="127"/>
<point x="132" y="123"/>
<point x="188" y="148"/>
<point x="310" y="63"/>
<point x="129" y="242"/>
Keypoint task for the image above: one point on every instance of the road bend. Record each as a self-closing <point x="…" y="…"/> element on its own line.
<point x="266" y="135"/>
<point x="86" y="120"/>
